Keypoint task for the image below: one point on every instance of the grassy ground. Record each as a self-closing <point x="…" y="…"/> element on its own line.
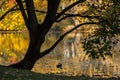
<point x="15" y="74"/>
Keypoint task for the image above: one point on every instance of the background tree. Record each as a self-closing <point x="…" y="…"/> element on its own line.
<point x="89" y="11"/>
<point x="102" y="41"/>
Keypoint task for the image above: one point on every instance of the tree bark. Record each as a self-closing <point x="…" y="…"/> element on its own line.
<point x="32" y="54"/>
<point x="37" y="32"/>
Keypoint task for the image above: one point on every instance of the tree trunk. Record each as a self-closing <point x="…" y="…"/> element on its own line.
<point x="37" y="32"/>
<point x="32" y="54"/>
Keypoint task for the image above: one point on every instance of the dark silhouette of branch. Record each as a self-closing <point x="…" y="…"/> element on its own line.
<point x="41" y="11"/>
<point x="118" y="1"/>
<point x="61" y="38"/>
<point x="31" y="16"/>
<point x="2" y="17"/>
<point x="26" y="9"/>
<point x="19" y="2"/>
<point x="12" y="9"/>
<point x="76" y="15"/>
<point x="68" y="8"/>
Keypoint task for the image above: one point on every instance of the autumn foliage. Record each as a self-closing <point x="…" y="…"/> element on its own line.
<point x="11" y="2"/>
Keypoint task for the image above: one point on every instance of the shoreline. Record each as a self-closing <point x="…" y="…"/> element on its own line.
<point x="11" y="31"/>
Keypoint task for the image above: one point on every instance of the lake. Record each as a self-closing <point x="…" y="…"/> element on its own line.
<point x="69" y="53"/>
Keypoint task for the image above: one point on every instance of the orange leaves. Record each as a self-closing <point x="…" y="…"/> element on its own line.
<point x="11" y="2"/>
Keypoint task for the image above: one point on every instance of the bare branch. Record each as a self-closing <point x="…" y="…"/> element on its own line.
<point x="2" y="17"/>
<point x="31" y="16"/>
<point x="68" y="8"/>
<point x="26" y="9"/>
<point x="12" y="9"/>
<point x="52" y="10"/>
<point x="76" y="15"/>
<point x="41" y="11"/>
<point x="61" y="38"/>
<point x="19" y="2"/>
<point x="51" y="15"/>
<point x="66" y="15"/>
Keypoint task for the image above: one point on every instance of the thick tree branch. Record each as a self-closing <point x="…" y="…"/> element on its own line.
<point x="20" y="3"/>
<point x="61" y="38"/>
<point x="50" y="16"/>
<point x="52" y="8"/>
<point x="67" y="15"/>
<point x="32" y="19"/>
<point x="68" y="8"/>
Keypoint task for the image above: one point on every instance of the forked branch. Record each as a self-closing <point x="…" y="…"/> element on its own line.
<point x="68" y="8"/>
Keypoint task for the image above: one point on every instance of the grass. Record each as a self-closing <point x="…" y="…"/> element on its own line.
<point x="15" y="74"/>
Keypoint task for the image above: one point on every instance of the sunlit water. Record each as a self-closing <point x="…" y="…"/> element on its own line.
<point x="12" y="47"/>
<point x="69" y="53"/>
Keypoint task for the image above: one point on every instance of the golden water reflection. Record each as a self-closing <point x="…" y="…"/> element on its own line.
<point x="12" y="47"/>
<point x="69" y="53"/>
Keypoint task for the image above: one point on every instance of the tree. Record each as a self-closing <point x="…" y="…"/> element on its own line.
<point x="106" y="36"/>
<point x="38" y="31"/>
